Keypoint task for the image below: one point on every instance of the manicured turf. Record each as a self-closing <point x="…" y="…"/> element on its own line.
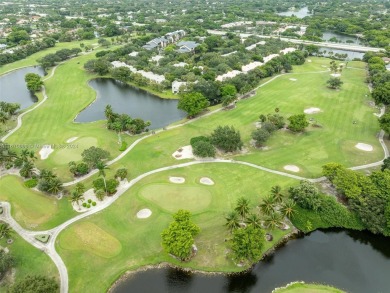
<point x="72" y="151"/>
<point x="140" y="238"/>
<point x="32" y="209"/>
<point x="172" y="197"/>
<point x="28" y="260"/>
<point x="308" y="288"/>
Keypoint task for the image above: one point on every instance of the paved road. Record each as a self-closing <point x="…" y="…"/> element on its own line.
<point x="349" y="47"/>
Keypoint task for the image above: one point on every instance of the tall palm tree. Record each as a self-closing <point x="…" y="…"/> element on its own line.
<point x="55" y="186"/>
<point x="24" y="154"/>
<point x="276" y="192"/>
<point x="232" y="221"/>
<point x="288" y="208"/>
<point x="254" y="220"/>
<point x="5" y="230"/>
<point x="108" y="113"/>
<point x="273" y="220"/>
<point x="47" y="174"/>
<point x="77" y="198"/>
<point x="102" y="167"/>
<point x="268" y="205"/>
<point x="27" y="170"/>
<point x="242" y="207"/>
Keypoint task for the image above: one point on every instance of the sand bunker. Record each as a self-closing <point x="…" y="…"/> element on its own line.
<point x="89" y="194"/>
<point x="309" y="60"/>
<point x="183" y="153"/>
<point x="291" y="168"/>
<point x="45" y="151"/>
<point x="206" y="181"/>
<point x="336" y="74"/>
<point x="312" y="110"/>
<point x="258" y="124"/>
<point x="72" y="139"/>
<point x="364" y="147"/>
<point x="293" y="79"/>
<point x="144" y="213"/>
<point x="177" y="180"/>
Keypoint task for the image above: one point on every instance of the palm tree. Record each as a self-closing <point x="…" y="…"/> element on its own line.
<point x="109" y="113"/>
<point x="24" y="155"/>
<point x="79" y="188"/>
<point x="254" y="220"/>
<point x="232" y="221"/>
<point x="273" y="220"/>
<point x="276" y="193"/>
<point x="288" y="208"/>
<point x="32" y="156"/>
<point x="118" y="129"/>
<point x="100" y="194"/>
<point x="242" y="207"/>
<point x="47" y="174"/>
<point x="102" y="167"/>
<point x="55" y="186"/>
<point x="268" y="205"/>
<point x="27" y="170"/>
<point x="76" y="198"/>
<point x="5" y="231"/>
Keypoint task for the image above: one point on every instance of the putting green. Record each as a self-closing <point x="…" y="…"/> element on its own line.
<point x="72" y="151"/>
<point x="172" y="197"/>
<point x="307" y="288"/>
<point x="91" y="238"/>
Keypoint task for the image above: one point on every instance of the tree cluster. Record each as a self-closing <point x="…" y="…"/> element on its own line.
<point x="178" y="238"/>
<point x="34" y="284"/>
<point x="202" y="147"/>
<point x="7" y="110"/>
<point x="50" y="60"/>
<point x="269" y="124"/>
<point x="33" y="81"/>
<point x="123" y="122"/>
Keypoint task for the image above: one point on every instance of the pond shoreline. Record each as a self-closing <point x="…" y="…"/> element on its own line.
<point x="295" y="233"/>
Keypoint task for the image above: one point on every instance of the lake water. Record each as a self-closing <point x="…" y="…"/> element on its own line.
<point x="357" y="262"/>
<point x="130" y="100"/>
<point x="13" y="88"/>
<point x="340" y="37"/>
<point x="301" y="13"/>
<point x="351" y="54"/>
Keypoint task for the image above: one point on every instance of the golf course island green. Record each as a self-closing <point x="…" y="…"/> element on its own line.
<point x="301" y="287"/>
<point x="113" y="237"/>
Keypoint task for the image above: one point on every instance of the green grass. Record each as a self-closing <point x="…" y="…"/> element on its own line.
<point x="172" y="197"/>
<point x="308" y="288"/>
<point x="29" y="260"/>
<point x="32" y="209"/>
<point x="140" y="238"/>
<point x="32" y="60"/>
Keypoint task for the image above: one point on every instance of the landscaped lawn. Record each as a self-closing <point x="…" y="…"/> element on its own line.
<point x="140" y="239"/>
<point x="32" y="209"/>
<point x="29" y="260"/>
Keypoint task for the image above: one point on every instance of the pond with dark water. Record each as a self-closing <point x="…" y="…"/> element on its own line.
<point x="133" y="101"/>
<point x="341" y="38"/>
<point x="350" y="54"/>
<point x="357" y="262"/>
<point x="13" y="88"/>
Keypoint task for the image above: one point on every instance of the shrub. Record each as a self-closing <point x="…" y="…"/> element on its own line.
<point x="98" y="184"/>
<point x="260" y="136"/>
<point x="121" y="173"/>
<point x="298" y="122"/>
<point x="123" y="146"/>
<point x="89" y="200"/>
<point x="196" y="139"/>
<point x="94" y="203"/>
<point x="88" y="206"/>
<point x="268" y="126"/>
<point x="203" y="149"/>
<point x="31" y="183"/>
<point x="226" y="138"/>
<point x="84" y="204"/>
<point x="112" y="184"/>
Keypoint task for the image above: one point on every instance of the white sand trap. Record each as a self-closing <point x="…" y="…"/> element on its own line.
<point x="324" y="66"/>
<point x="45" y="151"/>
<point x="291" y="168"/>
<point x="177" y="180"/>
<point x="364" y="147"/>
<point x="144" y="213"/>
<point x="206" y="181"/>
<point x="258" y="124"/>
<point x="293" y="79"/>
<point x="312" y="110"/>
<point x="378" y="114"/>
<point x="341" y="64"/>
<point x="309" y="60"/>
<point x="336" y="74"/>
<point x="183" y="153"/>
<point x="72" y="139"/>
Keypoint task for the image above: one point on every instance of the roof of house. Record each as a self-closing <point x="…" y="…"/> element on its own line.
<point x="186" y="46"/>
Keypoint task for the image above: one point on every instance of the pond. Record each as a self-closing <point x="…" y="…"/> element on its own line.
<point x="355" y="261"/>
<point x="132" y="101"/>
<point x="327" y="35"/>
<point x="13" y="88"/>
<point x="350" y="54"/>
<point x="301" y="13"/>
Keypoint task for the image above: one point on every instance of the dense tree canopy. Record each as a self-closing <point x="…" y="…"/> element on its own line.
<point x="193" y="103"/>
<point x="226" y="138"/>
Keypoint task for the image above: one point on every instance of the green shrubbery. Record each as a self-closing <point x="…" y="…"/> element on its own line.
<point x="123" y="146"/>
<point x="31" y="183"/>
